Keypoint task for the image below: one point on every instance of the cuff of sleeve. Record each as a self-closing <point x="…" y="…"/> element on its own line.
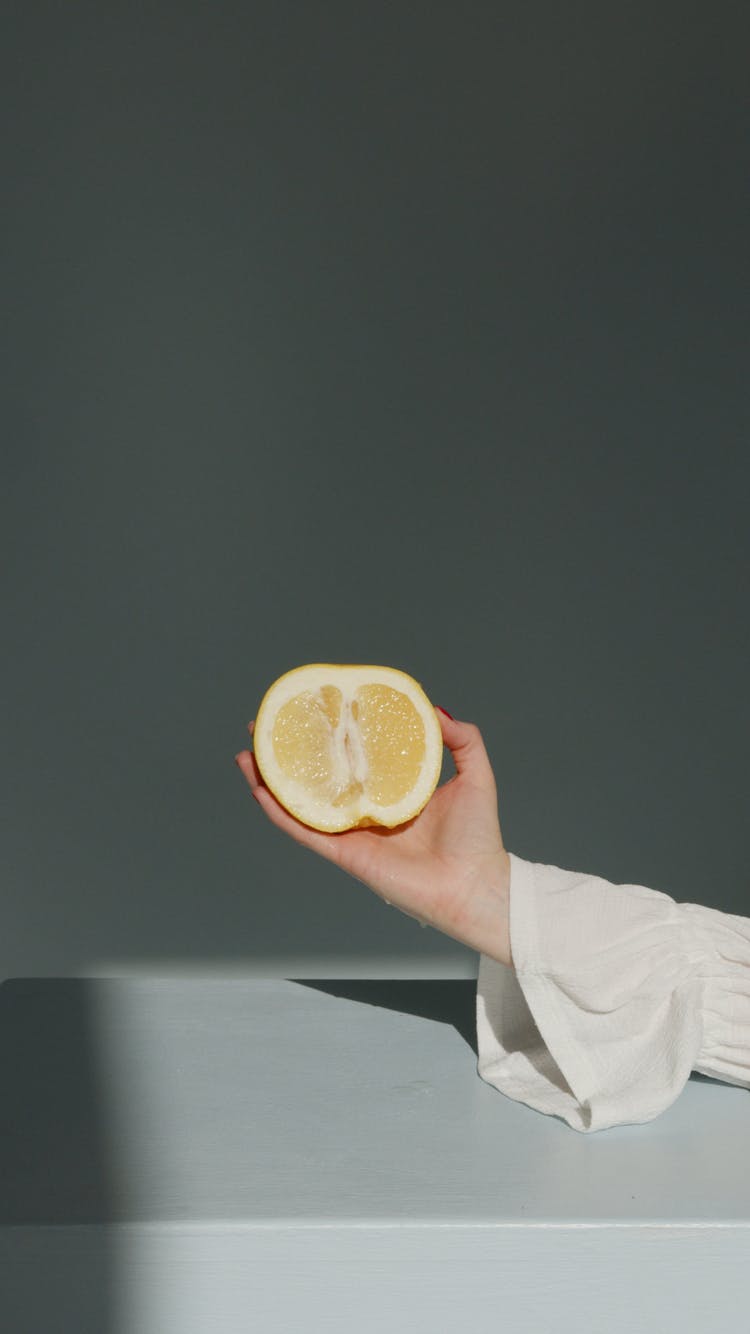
<point x="724" y="942"/>
<point x="601" y="1021"/>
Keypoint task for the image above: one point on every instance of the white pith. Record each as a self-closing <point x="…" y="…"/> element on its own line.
<point x="349" y="757"/>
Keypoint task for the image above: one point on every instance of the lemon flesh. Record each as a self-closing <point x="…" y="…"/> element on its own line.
<point x="342" y="746"/>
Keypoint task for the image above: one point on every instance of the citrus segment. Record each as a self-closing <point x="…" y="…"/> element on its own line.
<point x="342" y="746"/>
<point x="393" y="737"/>
<point x="301" y="732"/>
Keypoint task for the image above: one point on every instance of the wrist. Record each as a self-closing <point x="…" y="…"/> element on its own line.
<point x="483" y="919"/>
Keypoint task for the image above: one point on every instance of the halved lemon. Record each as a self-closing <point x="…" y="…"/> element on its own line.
<point x="344" y="746"/>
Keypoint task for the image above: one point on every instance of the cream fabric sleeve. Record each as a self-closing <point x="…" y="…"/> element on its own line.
<point x="616" y="994"/>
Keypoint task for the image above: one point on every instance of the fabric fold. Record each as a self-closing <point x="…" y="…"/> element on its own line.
<point x="616" y="994"/>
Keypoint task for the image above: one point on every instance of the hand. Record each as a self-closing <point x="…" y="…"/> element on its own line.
<point x="447" y="867"/>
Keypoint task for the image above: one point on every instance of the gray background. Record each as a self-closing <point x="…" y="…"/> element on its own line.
<point x="400" y="333"/>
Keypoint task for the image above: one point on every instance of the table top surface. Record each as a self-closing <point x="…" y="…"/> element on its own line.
<point x="300" y="1101"/>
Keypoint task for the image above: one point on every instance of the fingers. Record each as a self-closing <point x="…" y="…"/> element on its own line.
<point x="248" y="767"/>
<point x="464" y="741"/>
<point x="324" y="844"/>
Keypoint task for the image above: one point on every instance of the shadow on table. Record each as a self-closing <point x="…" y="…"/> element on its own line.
<point x="448" y="1000"/>
<point x="707" y="1079"/>
<point x="55" y="1163"/>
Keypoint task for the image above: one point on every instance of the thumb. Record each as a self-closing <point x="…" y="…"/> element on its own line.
<point x="466" y="745"/>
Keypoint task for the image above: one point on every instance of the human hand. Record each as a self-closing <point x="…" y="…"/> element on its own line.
<point x="447" y="867"/>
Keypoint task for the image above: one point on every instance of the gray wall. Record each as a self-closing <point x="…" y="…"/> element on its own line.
<point x="399" y="333"/>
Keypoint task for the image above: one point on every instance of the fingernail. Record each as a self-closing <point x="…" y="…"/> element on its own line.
<point x="445" y="711"/>
<point x="237" y="760"/>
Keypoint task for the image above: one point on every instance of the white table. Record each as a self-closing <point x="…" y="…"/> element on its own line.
<point x="190" y="1156"/>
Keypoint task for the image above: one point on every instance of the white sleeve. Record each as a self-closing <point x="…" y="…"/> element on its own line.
<point x="616" y="994"/>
